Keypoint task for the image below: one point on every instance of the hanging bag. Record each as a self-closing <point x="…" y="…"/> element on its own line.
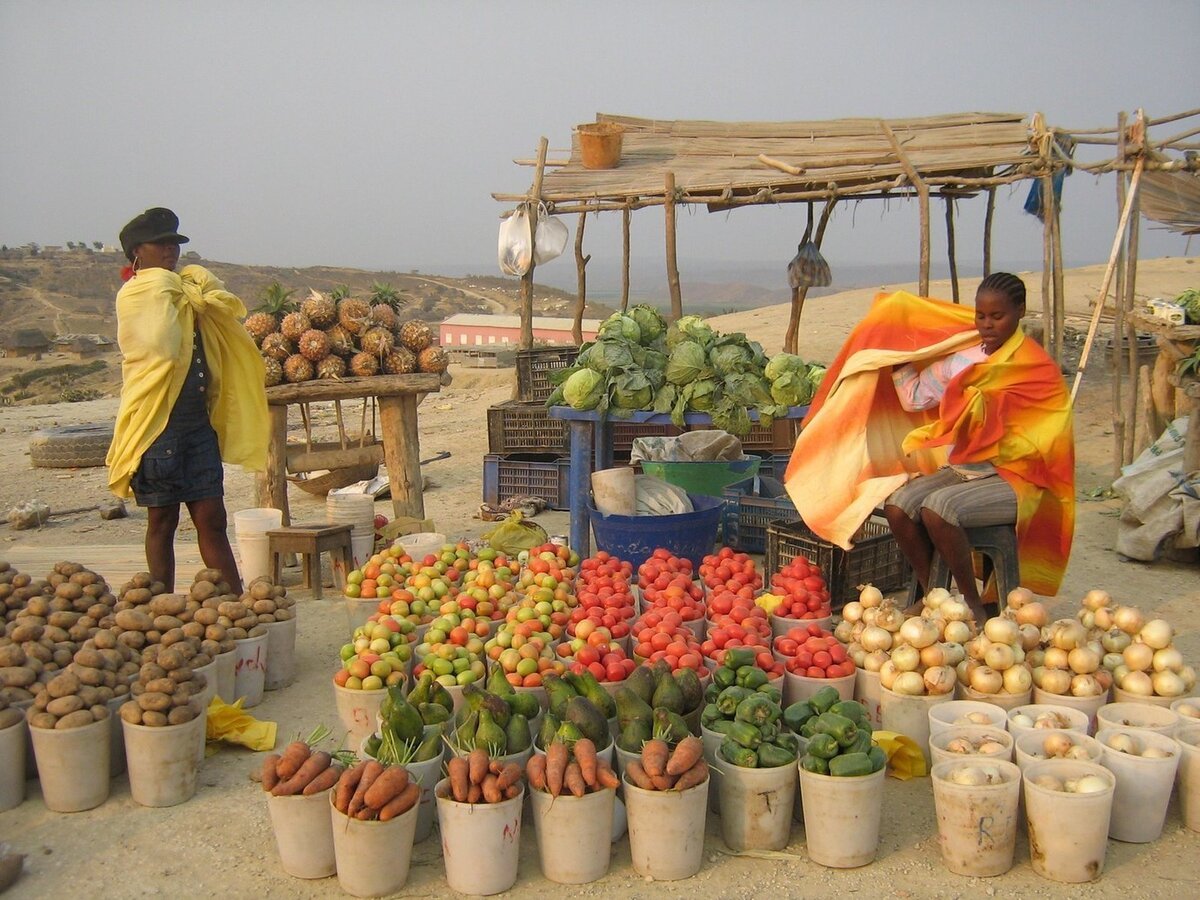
<point x="515" y="249"/>
<point x="550" y="237"/>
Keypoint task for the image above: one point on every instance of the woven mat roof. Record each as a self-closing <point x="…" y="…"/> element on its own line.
<point x="713" y="161"/>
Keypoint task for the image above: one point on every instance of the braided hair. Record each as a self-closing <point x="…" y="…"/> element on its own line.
<point x="1007" y="284"/>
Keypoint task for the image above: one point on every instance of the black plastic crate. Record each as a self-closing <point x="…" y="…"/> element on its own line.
<point x="516" y="427"/>
<point x="534" y="368"/>
<point x="544" y="475"/>
<point x="874" y="559"/>
<point x="746" y="516"/>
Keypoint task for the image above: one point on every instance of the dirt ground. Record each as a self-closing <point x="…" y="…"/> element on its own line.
<point x="220" y="842"/>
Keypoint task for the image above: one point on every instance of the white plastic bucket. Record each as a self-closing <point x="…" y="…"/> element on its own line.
<point x="116" y="746"/>
<point x="303" y="834"/>
<point x="938" y="743"/>
<point x="162" y="762"/>
<point x="908" y="715"/>
<point x="250" y="669"/>
<point x="947" y="715"/>
<point x="801" y="687"/>
<point x="1027" y="747"/>
<point x="358" y="611"/>
<point x="358" y="511"/>
<point x="281" y="654"/>
<point x="712" y="743"/>
<point x="250" y="528"/>
<point x="867" y="692"/>
<point x="481" y="842"/>
<point x="1188" y="776"/>
<point x="204" y="698"/>
<point x="977" y="825"/>
<point x="1088" y="705"/>
<point x="357" y="711"/>
<point x="845" y="813"/>
<point x="666" y="830"/>
<point x="72" y="765"/>
<point x="1137" y="715"/>
<point x="1144" y="785"/>
<point x="756" y="806"/>
<point x="1068" y="833"/>
<point x="574" y="835"/>
<point x="373" y="858"/>
<point x="1004" y="700"/>
<point x="427" y="774"/>
<point x="420" y="545"/>
<point x="1120" y="696"/>
<point x="226" y="676"/>
<point x="780" y="625"/>
<point x="12" y="765"/>
<point x="614" y="492"/>
<point x="257" y="520"/>
<point x="1077" y="719"/>
<point x="1188" y="709"/>
<point x="362" y="544"/>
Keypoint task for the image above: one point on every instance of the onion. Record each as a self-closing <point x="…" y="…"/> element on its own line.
<point x="1168" y="659"/>
<point x="852" y="611"/>
<point x="939" y="679"/>
<point x="1157" y="633"/>
<point x="869" y="595"/>
<point x="1167" y="684"/>
<point x="956" y="611"/>
<point x="1001" y="631"/>
<point x="1095" y="599"/>
<point x="977" y="647"/>
<point x="1033" y="614"/>
<point x="1115" y="640"/>
<point x="1051" y="719"/>
<point x="1056" y="658"/>
<point x="1124" y="742"/>
<point x="888" y="673"/>
<point x="906" y="658"/>
<point x="1139" y="657"/>
<point x="1137" y="683"/>
<point x="857" y="653"/>
<point x="876" y="638"/>
<point x="1021" y="720"/>
<point x="1119" y="673"/>
<point x="1057" y="744"/>
<point x="1128" y="619"/>
<point x="874" y="660"/>
<point x="992" y="747"/>
<point x="1156" y="753"/>
<point x="1086" y="686"/>
<point x="1083" y="660"/>
<point x="1191" y="710"/>
<point x="844" y="631"/>
<point x="1017" y="680"/>
<point x="1078" y="751"/>
<point x="1068" y="635"/>
<point x="1019" y="597"/>
<point x="979" y="718"/>
<point x="1104" y="679"/>
<point x="1036" y="657"/>
<point x="870" y="615"/>
<point x="999" y="657"/>
<point x="936" y="597"/>
<point x="964" y="669"/>
<point x="1056" y="681"/>
<point x="1188" y="674"/>
<point x="890" y="619"/>
<point x="987" y="680"/>
<point x="969" y="776"/>
<point x="1090" y="784"/>
<point x="1111" y="661"/>
<point x="909" y="683"/>
<point x="919" y="632"/>
<point x="1103" y="618"/>
<point x="1086" y="618"/>
<point x="957" y="632"/>
<point x="1037" y="672"/>
<point x="1049" y="782"/>
<point x="960" y="745"/>
<point x="933" y="655"/>
<point x="954" y="653"/>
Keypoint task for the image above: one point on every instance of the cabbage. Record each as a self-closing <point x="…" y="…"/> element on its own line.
<point x="729" y="415"/>
<point x="748" y="390"/>
<point x="730" y="356"/>
<point x="606" y="355"/>
<point x="632" y="390"/>
<point x="621" y="326"/>
<point x="653" y="360"/>
<point x="687" y="363"/>
<point x="585" y="389"/>
<point x="783" y="362"/>
<point x="649" y="320"/>
<point x="816" y="374"/>
<point x="1190" y="301"/>
<point x="702" y="394"/>
<point x="791" y="389"/>
<point x="691" y="328"/>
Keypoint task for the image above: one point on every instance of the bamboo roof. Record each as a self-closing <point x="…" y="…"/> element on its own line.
<point x="720" y="163"/>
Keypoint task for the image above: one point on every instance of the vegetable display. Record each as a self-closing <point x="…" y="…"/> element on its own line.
<point x="401" y="738"/>
<point x="300" y="770"/>
<point x="750" y="718"/>
<point x="377" y="655"/>
<point x="798" y="591"/>
<point x="813" y="653"/>
<point x="736" y="573"/>
<point x="166" y="689"/>
<point x="839" y="736"/>
<point x="494" y="722"/>
<point x="660" y="635"/>
<point x="1061" y="745"/>
<point x="652" y="702"/>
<point x="995" y="662"/>
<point x="371" y="791"/>
<point x="574" y="769"/>
<point x="477" y="778"/>
<point x="663" y="769"/>
<point x="604" y="595"/>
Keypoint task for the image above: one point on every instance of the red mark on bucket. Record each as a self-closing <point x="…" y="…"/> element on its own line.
<point x="512" y="831"/>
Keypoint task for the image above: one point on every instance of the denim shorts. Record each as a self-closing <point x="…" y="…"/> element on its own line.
<point x="183" y="464"/>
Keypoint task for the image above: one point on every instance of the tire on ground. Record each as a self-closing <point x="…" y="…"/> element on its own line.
<point x="71" y="446"/>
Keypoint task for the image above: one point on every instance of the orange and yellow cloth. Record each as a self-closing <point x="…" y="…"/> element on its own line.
<point x="858" y="444"/>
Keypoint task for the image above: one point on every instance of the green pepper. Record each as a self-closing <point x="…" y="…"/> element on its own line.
<point x="710" y="714"/>
<point x="769" y="732"/>
<point x="745" y="734"/>
<point x="809" y="728"/>
<point x="823" y="745"/>
<point x="738" y="658"/>
<point x="772" y="756"/>
<point x="738" y="755"/>
<point x="861" y="744"/>
<point x="788" y="742"/>
<point x="712" y="692"/>
<point x="850" y="765"/>
<point x="878" y="758"/>
<point x="729" y="699"/>
<point x="723" y="677"/>
<point x="823" y="699"/>
<point x="751" y="677"/>
<point x="721" y="726"/>
<point x="842" y="729"/>
<point x="852" y="710"/>
<point x="796" y="715"/>
<point x="810" y="763"/>
<point x="772" y="693"/>
<point x="757" y="710"/>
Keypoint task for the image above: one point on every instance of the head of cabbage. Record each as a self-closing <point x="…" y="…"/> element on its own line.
<point x="584" y="389"/>
<point x="632" y="390"/>
<point x="649" y="320"/>
<point x="730" y="356"/>
<point x="604" y="356"/>
<point x="687" y="363"/>
<point x="622" y="327"/>
<point x="781" y="363"/>
<point x="690" y="328"/>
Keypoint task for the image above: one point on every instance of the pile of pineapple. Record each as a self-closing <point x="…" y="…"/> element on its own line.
<point x="335" y="335"/>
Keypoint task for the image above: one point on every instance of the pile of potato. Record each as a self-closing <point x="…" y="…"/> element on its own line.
<point x="8" y="715"/>
<point x="167" y="688"/>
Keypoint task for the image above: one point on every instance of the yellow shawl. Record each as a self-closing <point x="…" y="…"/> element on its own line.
<point x="156" y="315"/>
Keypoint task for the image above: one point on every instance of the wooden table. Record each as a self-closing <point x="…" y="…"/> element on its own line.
<point x="397" y="396"/>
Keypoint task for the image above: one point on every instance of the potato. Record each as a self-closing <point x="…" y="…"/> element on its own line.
<point x="193" y="630"/>
<point x="34" y="650"/>
<point x="168" y="604"/>
<point x="236" y="634"/>
<point x="154" y="702"/>
<point x="151" y="672"/>
<point x="161" y="686"/>
<point x="120" y="690"/>
<point x="27" y="632"/>
<point x="282" y="615"/>
<point x="186" y="648"/>
<point x="17" y="676"/>
<point x="54" y="634"/>
<point x="39" y="719"/>
<point x="134" y="620"/>
<point x="190" y="688"/>
<point x="266" y="619"/>
<point x="93" y="659"/>
<point x="10" y="717"/>
<point x="64" y="619"/>
<point x="202" y="590"/>
<point x="166" y="623"/>
<point x="228" y="645"/>
<point x="200" y="660"/>
<point x="246" y="622"/>
<point x="257" y="631"/>
<point x="264" y="606"/>
<point x="11" y="655"/>
<point x="93" y="677"/>
<point x="154" y="719"/>
<point x="170" y="659"/>
<point x="216" y="633"/>
<point x="16" y="695"/>
<point x="153" y="636"/>
<point x="232" y="610"/>
<point x="137" y="595"/>
<point x="183" y="673"/>
<point x="77" y="719"/>
<point x="99" y="712"/>
<point x="63" y="706"/>
<point x="41" y="701"/>
<point x="181" y="714"/>
<point x="205" y="616"/>
<point x="63" y="685"/>
<point x="62" y="657"/>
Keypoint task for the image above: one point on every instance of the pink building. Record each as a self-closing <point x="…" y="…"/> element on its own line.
<point x="466" y="330"/>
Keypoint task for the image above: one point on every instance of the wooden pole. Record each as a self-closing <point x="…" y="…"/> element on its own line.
<point x="402" y="451"/>
<point x="1131" y="343"/>
<point x="626" y="215"/>
<point x="922" y="200"/>
<point x="1060" y="295"/>
<point x="1117" y="362"/>
<point x="1108" y="273"/>
<point x="791" y="338"/>
<point x="271" y="483"/>
<point x="950" y="248"/>
<point x="535" y="194"/>
<point x="672" y="260"/>
<point x="987" y="231"/>
<point x="581" y="262"/>
<point x="1047" y="184"/>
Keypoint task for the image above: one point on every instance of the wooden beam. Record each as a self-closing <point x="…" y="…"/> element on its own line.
<point x="1131" y="261"/>
<point x="402" y="452"/>
<point x="271" y="485"/>
<point x="950" y="249"/>
<point x="922" y="199"/>
<point x="1117" y="362"/>
<point x="1047" y="183"/>
<point x="988" y="215"/>
<point x="350" y="388"/>
<point x="1174" y="118"/>
<point x="1060" y="294"/>
<point x="581" y="262"/>
<point x="535" y="195"/>
<point x="672" y="259"/>
<point x="626" y="215"/>
<point x="331" y="456"/>
<point x="550" y="163"/>
<point x="791" y="338"/>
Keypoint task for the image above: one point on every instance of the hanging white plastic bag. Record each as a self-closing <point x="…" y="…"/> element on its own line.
<point x="550" y="238"/>
<point x="515" y="250"/>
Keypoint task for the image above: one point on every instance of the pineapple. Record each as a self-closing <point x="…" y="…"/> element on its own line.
<point x="400" y="361"/>
<point x="265" y="319"/>
<point x="354" y="315"/>
<point x="433" y="359"/>
<point x="416" y="335"/>
<point x="313" y="345"/>
<point x="321" y="310"/>
<point x="331" y="367"/>
<point x="376" y="341"/>
<point x="293" y="325"/>
<point x="341" y="341"/>
<point x="260" y="324"/>
<point x="274" y="374"/>
<point x="276" y="346"/>
<point x="297" y="368"/>
<point x="382" y="316"/>
<point x="364" y="364"/>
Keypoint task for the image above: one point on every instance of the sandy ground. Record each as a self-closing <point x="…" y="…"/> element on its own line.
<point x="221" y="843"/>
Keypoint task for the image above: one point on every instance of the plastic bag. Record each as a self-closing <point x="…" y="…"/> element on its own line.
<point x="514" y="534"/>
<point x="656" y="497"/>
<point x="550" y="237"/>
<point x="515" y="249"/>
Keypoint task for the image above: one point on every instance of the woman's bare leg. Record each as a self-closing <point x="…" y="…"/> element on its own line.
<point x="208" y="515"/>
<point x="162" y="521"/>
<point x="954" y="547"/>
<point x="914" y="542"/>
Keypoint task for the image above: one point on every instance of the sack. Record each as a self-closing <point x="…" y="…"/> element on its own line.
<point x="515" y="250"/>
<point x="550" y="238"/>
<point x="514" y="534"/>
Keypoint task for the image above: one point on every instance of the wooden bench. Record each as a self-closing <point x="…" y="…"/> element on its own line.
<point x="310" y="541"/>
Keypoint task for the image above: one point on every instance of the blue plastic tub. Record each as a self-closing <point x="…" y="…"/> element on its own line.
<point x="633" y="538"/>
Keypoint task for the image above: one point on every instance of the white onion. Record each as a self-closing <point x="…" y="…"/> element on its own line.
<point x="992" y="747"/>
<point x="1095" y="599"/>
<point x="1078" y="751"/>
<point x="1057" y="744"/>
<point x="1103" y="618"/>
<point x="1086" y="618"/>
<point x="1030" y="637"/>
<point x="977" y="647"/>
<point x="1037" y="672"/>
<point x="933" y="655"/>
<point x="1115" y="640"/>
<point x="1049" y="782"/>
<point x="954" y="653"/>
<point x="1191" y="710"/>
<point x="1167" y="684"/>
<point x="936" y="597"/>
<point x="919" y="632"/>
<point x="959" y="745"/>
<point x="939" y="679"/>
<point x="1056" y="658"/>
<point x="1051" y="719"/>
<point x="852" y="611"/>
<point x="1128" y="619"/>
<point x="1120" y="672"/>
<point x="1036" y="657"/>
<point x="1188" y="674"/>
<point x="1137" y="683"/>
<point x="888" y="674"/>
<point x="1001" y="631"/>
<point x="874" y="660"/>
<point x="869" y="616"/>
<point x="1123" y="742"/>
<point x="987" y="680"/>
<point x="875" y="638"/>
<point x="844" y="631"/>
<point x="999" y="657"/>
<point x="1019" y="597"/>
<point x="1104" y="679"/>
<point x="1068" y="635"/>
<point x="957" y="632"/>
<point x="1083" y="660"/>
<point x="857" y="653"/>
<point x="1090" y="784"/>
<point x="1086" y="686"/>
<point x="1017" y="680"/>
<point x="956" y="611"/>
<point x="909" y="683"/>
<point x="1022" y="720"/>
<point x="869" y="595"/>
<point x="1112" y="661"/>
<point x="1056" y="681"/>
<point x="1168" y="659"/>
<point x="969" y="776"/>
<point x="963" y="670"/>
<point x="890" y="619"/>
<point x="1139" y="657"/>
<point x="906" y="657"/>
<point x="1156" y="753"/>
<point x="1157" y="633"/>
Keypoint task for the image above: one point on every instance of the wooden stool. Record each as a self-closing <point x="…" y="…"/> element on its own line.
<point x="998" y="545"/>
<point x="310" y="541"/>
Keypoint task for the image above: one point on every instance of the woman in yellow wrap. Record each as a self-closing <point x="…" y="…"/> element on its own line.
<point x="192" y="395"/>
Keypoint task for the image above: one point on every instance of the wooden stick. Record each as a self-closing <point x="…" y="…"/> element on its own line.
<point x="550" y="163"/>
<point x="626" y="215"/>
<point x="922" y="199"/>
<point x="988" y="215"/>
<point x="1175" y="118"/>
<point x="304" y="417"/>
<point x="1131" y="261"/>
<point x="1047" y="183"/>
<point x="341" y="425"/>
<point x="1151" y="427"/>
<point x="402" y="454"/>
<point x="1117" y="362"/>
<point x="780" y="165"/>
<point x="581" y="262"/>
<point x="535" y="195"/>
<point x="791" y="338"/>
<point x="672" y="261"/>
<point x="950" y="249"/>
<point x="1108" y="272"/>
<point x="1060" y="294"/>
<point x="362" y="425"/>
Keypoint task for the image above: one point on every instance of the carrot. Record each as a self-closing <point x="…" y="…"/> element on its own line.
<point x="270" y="773"/>
<point x="585" y="755"/>
<point x="509" y="775"/>
<point x="402" y="803"/>
<point x="474" y="793"/>
<point x="663" y="782"/>
<point x="293" y="758"/>
<point x="366" y="814"/>
<point x="635" y="773"/>
<point x="693" y="776"/>
<point x="313" y="766"/>
<point x="491" y="789"/>
<point x="512" y="791"/>
<point x="606" y="777"/>
<point x="323" y="782"/>
<point x="535" y="772"/>
<point x="573" y="779"/>
<point x="386" y="787"/>
<point x="477" y="760"/>
<point x="346" y="785"/>
<point x="457" y="770"/>
<point x="687" y="754"/>
<point x="654" y="757"/>
<point x="370" y="773"/>
<point x="495" y="767"/>
<point x="556" y="767"/>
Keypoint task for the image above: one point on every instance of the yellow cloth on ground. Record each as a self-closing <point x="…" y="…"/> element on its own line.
<point x="231" y="724"/>
<point x="157" y="311"/>
<point x="905" y="759"/>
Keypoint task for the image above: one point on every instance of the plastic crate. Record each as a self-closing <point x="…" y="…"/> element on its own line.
<point x="778" y="437"/>
<point x="746" y="516"/>
<point x="534" y="368"/>
<point x="542" y="475"/>
<point x="624" y="434"/>
<point x="773" y="465"/>
<point x="875" y="558"/>
<point x="515" y="427"/>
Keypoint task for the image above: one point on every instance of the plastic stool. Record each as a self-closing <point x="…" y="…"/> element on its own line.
<point x="310" y="541"/>
<point x="998" y="544"/>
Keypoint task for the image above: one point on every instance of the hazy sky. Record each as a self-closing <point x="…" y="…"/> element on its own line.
<point x="372" y="133"/>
